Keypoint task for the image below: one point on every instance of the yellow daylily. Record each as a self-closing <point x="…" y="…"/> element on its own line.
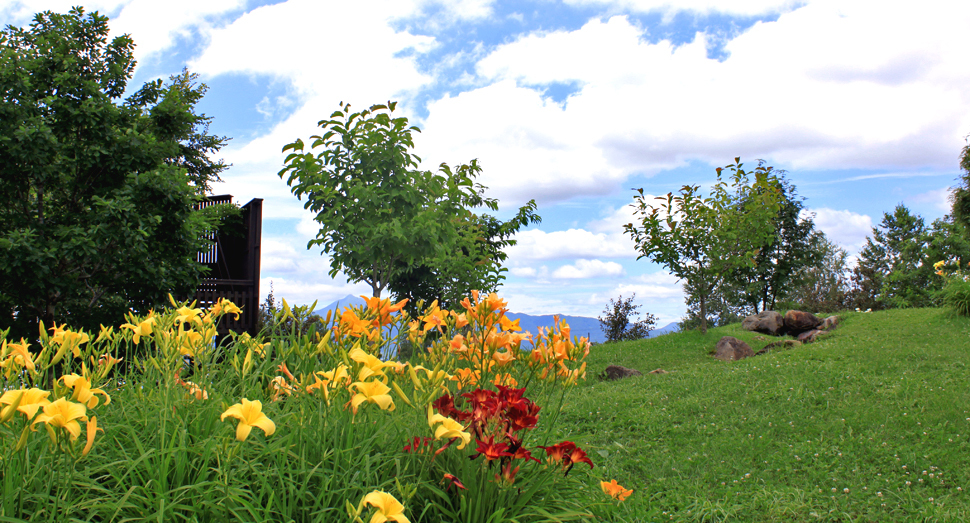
<point x="372" y="364"/>
<point x="18" y="354"/>
<point x="63" y="414"/>
<point x="447" y="428"/>
<point x="93" y="429"/>
<point x="188" y="315"/>
<point x="83" y="392"/>
<point x="250" y="414"/>
<point x="371" y="392"/>
<point x="388" y="508"/>
<point x="224" y="306"/>
<point x="195" y="391"/>
<point x="26" y="401"/>
<point x="144" y="328"/>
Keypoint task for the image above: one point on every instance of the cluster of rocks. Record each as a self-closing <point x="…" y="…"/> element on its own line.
<point x="805" y="327"/>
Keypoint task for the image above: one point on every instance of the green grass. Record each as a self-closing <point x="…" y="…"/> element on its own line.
<point x="870" y="423"/>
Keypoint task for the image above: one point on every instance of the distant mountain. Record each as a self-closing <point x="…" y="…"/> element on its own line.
<point x="578" y="325"/>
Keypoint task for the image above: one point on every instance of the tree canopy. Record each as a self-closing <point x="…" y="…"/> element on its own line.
<point x="98" y="193"/>
<point x="385" y="222"/>
<point x="701" y="239"/>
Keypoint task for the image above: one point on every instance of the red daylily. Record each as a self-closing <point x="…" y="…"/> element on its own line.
<point x="454" y="481"/>
<point x="491" y="450"/>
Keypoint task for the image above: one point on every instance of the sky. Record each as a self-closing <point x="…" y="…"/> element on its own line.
<point x="575" y="103"/>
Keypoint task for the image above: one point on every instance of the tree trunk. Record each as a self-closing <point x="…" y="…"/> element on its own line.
<point x="703" y="299"/>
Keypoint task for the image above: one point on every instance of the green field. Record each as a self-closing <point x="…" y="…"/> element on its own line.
<point x="870" y="423"/>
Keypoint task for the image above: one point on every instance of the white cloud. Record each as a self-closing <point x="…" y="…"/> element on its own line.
<point x="535" y="244"/>
<point x="588" y="269"/>
<point x="828" y="85"/>
<point x="735" y="8"/>
<point x="938" y="198"/>
<point x="846" y="228"/>
<point x="299" y="291"/>
<point x="524" y="272"/>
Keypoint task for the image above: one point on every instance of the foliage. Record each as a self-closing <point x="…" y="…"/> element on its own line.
<point x="622" y="321"/>
<point x="474" y="263"/>
<point x="794" y="435"/>
<point x="961" y="193"/>
<point x="895" y="266"/>
<point x="98" y="216"/>
<point x="779" y="264"/>
<point x="378" y="214"/>
<point x="701" y="240"/>
<point x="956" y="293"/>
<point x="824" y="287"/>
<point x="720" y="309"/>
<point x="465" y="432"/>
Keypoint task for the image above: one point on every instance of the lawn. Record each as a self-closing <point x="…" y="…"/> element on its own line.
<point x="870" y="423"/>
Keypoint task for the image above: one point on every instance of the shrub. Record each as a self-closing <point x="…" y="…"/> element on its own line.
<point x="621" y="324"/>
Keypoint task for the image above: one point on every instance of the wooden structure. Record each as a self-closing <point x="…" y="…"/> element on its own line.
<point x="233" y="262"/>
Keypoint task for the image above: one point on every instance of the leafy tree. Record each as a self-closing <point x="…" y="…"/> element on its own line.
<point x="475" y="262"/>
<point x="98" y="215"/>
<point x="778" y="265"/>
<point x="701" y="240"/>
<point x="825" y="286"/>
<point x="895" y="267"/>
<point x="622" y="323"/>
<point x="961" y="194"/>
<point x="378" y="214"/>
<point x="719" y="309"/>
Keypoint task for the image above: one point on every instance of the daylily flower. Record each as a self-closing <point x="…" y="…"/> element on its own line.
<point x="384" y="308"/>
<point x="188" y="315"/>
<point x="93" y="429"/>
<point x="448" y="428"/>
<point x="18" y="354"/>
<point x="63" y="414"/>
<point x="27" y="401"/>
<point x="372" y="365"/>
<point x="144" y="328"/>
<point x="354" y="326"/>
<point x="195" y="391"/>
<point x="615" y="490"/>
<point x="492" y="450"/>
<point x="83" y="392"/>
<point x="106" y="334"/>
<point x="371" y="392"/>
<point x="250" y="414"/>
<point x="388" y="508"/>
<point x="454" y="481"/>
<point x="224" y="306"/>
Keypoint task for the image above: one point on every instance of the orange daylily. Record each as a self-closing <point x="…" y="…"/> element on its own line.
<point x="615" y="490"/>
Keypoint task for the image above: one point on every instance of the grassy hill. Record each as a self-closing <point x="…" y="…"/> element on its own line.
<point x="870" y="423"/>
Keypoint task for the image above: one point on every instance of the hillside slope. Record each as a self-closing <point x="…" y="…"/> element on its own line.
<point x="871" y="423"/>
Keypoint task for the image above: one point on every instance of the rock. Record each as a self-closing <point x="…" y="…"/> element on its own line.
<point x="730" y="348"/>
<point x="829" y="323"/>
<point x="658" y="371"/>
<point x="760" y="338"/>
<point x="797" y="322"/>
<point x="779" y="345"/>
<point x="616" y="372"/>
<point x="765" y="322"/>
<point x="809" y="336"/>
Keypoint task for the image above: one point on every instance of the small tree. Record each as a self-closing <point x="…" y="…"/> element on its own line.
<point x="621" y="321"/>
<point x="700" y="240"/>
<point x="378" y="214"/>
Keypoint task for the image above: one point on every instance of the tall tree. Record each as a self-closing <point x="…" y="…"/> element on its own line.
<point x="824" y="286"/>
<point x="895" y="267"/>
<point x="778" y="265"/>
<point x="702" y="239"/>
<point x="98" y="213"/>
<point x="474" y="263"/>
<point x="379" y="215"/>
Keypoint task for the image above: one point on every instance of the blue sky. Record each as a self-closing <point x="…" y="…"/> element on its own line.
<point x="573" y="103"/>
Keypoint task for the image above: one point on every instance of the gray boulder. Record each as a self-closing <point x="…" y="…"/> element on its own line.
<point x="809" y="336"/>
<point x="829" y="323"/>
<point x="730" y="348"/>
<point x="765" y="322"/>
<point x="616" y="372"/>
<point x="798" y="321"/>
